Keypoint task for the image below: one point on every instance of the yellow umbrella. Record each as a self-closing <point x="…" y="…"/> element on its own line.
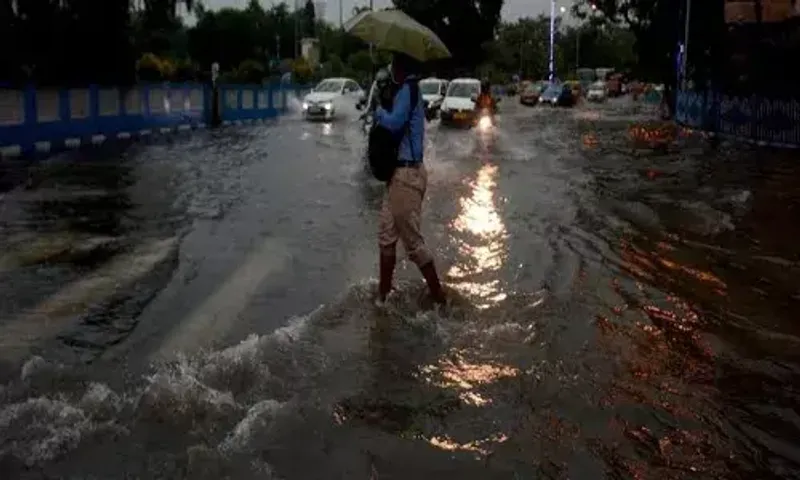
<point x="393" y="30"/>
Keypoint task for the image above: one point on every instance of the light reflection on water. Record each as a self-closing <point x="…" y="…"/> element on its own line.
<point x="482" y="241"/>
<point x="456" y="372"/>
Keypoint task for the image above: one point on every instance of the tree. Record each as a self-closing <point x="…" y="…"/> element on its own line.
<point x="47" y="34"/>
<point x="451" y="18"/>
<point x="309" y="19"/>
<point x="657" y="26"/>
<point x="522" y="47"/>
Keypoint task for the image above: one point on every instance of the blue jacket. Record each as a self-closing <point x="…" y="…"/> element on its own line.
<point x="395" y="122"/>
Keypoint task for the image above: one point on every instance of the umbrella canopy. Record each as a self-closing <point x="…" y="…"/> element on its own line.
<point x="394" y="30"/>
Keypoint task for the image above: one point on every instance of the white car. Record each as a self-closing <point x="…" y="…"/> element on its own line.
<point x="329" y="97"/>
<point x="433" y="91"/>
<point x="597" y="92"/>
<point x="458" y="105"/>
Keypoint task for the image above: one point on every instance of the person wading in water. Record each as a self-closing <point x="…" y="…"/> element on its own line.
<point x="402" y="203"/>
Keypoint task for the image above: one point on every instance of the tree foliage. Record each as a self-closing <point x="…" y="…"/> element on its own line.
<point x="658" y="27"/>
<point x="741" y="58"/>
<point x="450" y="19"/>
<point x="523" y="47"/>
<point x="309" y="19"/>
<point x="149" y="40"/>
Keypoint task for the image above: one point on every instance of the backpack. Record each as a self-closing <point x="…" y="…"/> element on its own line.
<point x="384" y="146"/>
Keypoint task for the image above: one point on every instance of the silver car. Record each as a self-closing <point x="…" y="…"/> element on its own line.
<point x="597" y="92"/>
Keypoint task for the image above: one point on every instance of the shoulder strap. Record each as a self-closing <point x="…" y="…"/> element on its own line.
<point x="413" y="87"/>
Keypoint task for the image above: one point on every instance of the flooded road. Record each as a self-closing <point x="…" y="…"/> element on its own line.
<point x="623" y="302"/>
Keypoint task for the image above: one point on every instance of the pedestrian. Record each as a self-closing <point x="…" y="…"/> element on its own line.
<point x="401" y="211"/>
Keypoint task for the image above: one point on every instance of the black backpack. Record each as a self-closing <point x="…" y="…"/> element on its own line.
<point x="383" y="146"/>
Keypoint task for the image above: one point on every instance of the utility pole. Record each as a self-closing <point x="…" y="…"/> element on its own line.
<point x="578" y="49"/>
<point x="552" y="63"/>
<point x="341" y="14"/>
<point x="296" y="29"/>
<point x="686" y="41"/>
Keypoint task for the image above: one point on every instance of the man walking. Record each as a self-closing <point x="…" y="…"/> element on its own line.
<point x="402" y="204"/>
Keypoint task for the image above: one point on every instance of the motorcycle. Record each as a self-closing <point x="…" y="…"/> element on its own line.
<point x="484" y="120"/>
<point x="485" y="116"/>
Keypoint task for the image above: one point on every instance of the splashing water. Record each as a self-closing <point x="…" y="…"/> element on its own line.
<point x="221" y="404"/>
<point x="294" y="103"/>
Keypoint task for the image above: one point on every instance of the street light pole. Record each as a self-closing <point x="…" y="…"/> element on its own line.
<point x="552" y="65"/>
<point x="579" y="31"/>
<point x="296" y="30"/>
<point x="686" y="41"/>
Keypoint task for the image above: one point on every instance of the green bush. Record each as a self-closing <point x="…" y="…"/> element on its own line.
<point x="301" y="71"/>
<point x="186" y="71"/>
<point x="251" y="71"/>
<point x="152" y="68"/>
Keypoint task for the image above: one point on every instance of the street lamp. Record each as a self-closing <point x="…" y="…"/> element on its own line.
<point x="685" y="46"/>
<point x="578" y="41"/>
<point x="552" y="65"/>
<point x="563" y="10"/>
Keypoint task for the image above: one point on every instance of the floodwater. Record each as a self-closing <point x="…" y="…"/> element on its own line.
<point x="623" y="302"/>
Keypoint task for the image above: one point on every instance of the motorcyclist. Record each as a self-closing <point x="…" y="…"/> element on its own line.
<point x="485" y="99"/>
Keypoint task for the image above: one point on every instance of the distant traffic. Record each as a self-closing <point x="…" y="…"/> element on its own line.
<point x="454" y="102"/>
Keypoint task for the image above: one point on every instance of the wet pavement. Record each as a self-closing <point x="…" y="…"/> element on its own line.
<point x="623" y="301"/>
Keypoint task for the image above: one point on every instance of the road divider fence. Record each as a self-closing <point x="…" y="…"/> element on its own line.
<point x="48" y="120"/>
<point x="754" y="119"/>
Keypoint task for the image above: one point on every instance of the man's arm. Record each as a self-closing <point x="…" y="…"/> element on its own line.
<point x="396" y="119"/>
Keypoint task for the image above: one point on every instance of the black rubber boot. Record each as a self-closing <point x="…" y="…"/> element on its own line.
<point x="434" y="285"/>
<point x="386" y="274"/>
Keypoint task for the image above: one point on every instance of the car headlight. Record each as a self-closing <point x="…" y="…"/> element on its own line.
<point x="305" y="105"/>
<point x="328" y="106"/>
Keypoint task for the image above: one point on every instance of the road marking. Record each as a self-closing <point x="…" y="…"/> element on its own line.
<point x="48" y="319"/>
<point x="27" y="250"/>
<point x="30" y="249"/>
<point x="214" y="317"/>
